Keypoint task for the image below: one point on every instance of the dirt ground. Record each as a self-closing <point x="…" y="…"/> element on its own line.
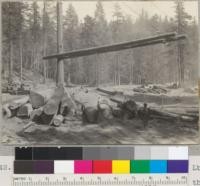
<point x="114" y="131"/>
<point x="108" y="132"/>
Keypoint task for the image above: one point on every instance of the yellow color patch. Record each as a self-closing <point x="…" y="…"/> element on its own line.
<point x="120" y="166"/>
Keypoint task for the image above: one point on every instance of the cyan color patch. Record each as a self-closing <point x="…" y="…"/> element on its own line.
<point x="158" y="166"/>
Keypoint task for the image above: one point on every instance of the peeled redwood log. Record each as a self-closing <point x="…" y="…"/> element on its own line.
<point x="11" y="109"/>
<point x="68" y="105"/>
<point x="94" y="108"/>
<point x="88" y="102"/>
<point x="52" y="107"/>
<point x="18" y="103"/>
<point x="40" y="98"/>
<point x="25" y="110"/>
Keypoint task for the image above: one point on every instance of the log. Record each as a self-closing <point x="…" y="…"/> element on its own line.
<point x="105" y="110"/>
<point x="129" y="109"/>
<point x="166" y="118"/>
<point x="25" y="110"/>
<point x="6" y="111"/>
<point x="183" y="117"/>
<point x="106" y="91"/>
<point x="67" y="104"/>
<point x="18" y="103"/>
<point x="188" y="118"/>
<point x="140" y="90"/>
<point x="52" y="107"/>
<point x="31" y="123"/>
<point x="11" y="109"/>
<point x="94" y="108"/>
<point x="90" y="115"/>
<point x="57" y="120"/>
<point x="40" y="98"/>
<point x="160" y="89"/>
<point x="35" y="114"/>
<point x="160" y="112"/>
<point x="117" y="112"/>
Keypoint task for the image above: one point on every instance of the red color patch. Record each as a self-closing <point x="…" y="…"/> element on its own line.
<point x="102" y="166"/>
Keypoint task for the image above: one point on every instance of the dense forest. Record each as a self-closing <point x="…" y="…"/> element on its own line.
<point x="29" y="33"/>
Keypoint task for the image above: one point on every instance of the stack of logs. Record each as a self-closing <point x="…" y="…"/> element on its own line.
<point x="43" y="107"/>
<point x="51" y="107"/>
<point x="130" y="108"/>
<point x="153" y="89"/>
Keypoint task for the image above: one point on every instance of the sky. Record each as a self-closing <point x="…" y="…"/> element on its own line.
<point x="132" y="8"/>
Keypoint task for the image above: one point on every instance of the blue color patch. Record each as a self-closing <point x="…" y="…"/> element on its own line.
<point x="158" y="166"/>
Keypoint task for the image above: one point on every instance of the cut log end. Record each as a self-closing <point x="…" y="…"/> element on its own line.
<point x="58" y="120"/>
<point x="25" y="110"/>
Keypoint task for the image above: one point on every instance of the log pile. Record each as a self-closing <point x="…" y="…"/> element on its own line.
<point x="52" y="107"/>
<point x="128" y="108"/>
<point x="153" y="89"/>
<point x="132" y="109"/>
<point x="42" y="107"/>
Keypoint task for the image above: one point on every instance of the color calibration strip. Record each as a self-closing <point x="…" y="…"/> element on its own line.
<point x="105" y="160"/>
<point x="100" y="166"/>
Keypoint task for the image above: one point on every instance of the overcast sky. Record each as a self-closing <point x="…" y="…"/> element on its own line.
<point x="133" y="8"/>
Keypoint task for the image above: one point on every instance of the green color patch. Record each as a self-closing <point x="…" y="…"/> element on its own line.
<point x="140" y="166"/>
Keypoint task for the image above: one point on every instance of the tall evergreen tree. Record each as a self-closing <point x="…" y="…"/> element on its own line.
<point x="117" y="34"/>
<point x="101" y="38"/>
<point x="71" y="32"/>
<point x="181" y="20"/>
<point x="87" y="39"/>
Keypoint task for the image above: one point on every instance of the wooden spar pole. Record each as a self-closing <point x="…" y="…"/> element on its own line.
<point x="44" y="40"/>
<point x="60" y="66"/>
<point x="21" y="58"/>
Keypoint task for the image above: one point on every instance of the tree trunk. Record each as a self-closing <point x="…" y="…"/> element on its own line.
<point x="180" y="53"/>
<point x="60" y="65"/>
<point x="21" y="59"/>
<point x="44" y="42"/>
<point x="51" y="108"/>
<point x="67" y="104"/>
<point x="10" y="61"/>
<point x="97" y="71"/>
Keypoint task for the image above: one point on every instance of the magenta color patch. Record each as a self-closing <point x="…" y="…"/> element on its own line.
<point x="82" y="166"/>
